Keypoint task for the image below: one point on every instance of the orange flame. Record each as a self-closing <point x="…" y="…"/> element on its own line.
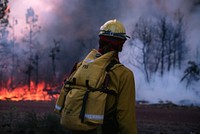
<point x="23" y="93"/>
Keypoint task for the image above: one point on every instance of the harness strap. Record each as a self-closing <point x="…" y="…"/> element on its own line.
<point x="82" y="113"/>
<point x="111" y="64"/>
<point x="85" y="98"/>
<point x="104" y="88"/>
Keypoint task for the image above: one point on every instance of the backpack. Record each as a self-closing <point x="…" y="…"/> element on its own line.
<point x="83" y="97"/>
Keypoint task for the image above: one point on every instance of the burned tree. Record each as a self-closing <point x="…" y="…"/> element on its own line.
<point x="4" y="54"/>
<point x="143" y="31"/>
<point x="4" y="49"/>
<point x="179" y="49"/>
<point x="170" y="36"/>
<point x="32" y="51"/>
<point x="163" y="34"/>
<point x="54" y="51"/>
<point x="163" y="44"/>
<point x="14" y="56"/>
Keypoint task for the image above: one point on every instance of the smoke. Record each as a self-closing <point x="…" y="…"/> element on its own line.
<point x="165" y="89"/>
<point x="169" y="87"/>
<point x="75" y="25"/>
<point x="191" y="11"/>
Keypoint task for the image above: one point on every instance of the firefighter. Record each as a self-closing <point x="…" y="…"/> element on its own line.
<point x="112" y="36"/>
<point x="119" y="115"/>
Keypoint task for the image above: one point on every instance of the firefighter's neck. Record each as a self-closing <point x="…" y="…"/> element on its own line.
<point x="116" y="55"/>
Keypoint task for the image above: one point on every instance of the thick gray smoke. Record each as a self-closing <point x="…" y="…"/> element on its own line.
<point x="169" y="87"/>
<point x="76" y="23"/>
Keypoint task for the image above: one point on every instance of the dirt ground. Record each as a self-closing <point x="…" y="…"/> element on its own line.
<point x="151" y="119"/>
<point x="168" y="119"/>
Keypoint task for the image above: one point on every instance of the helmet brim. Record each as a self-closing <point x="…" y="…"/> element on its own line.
<point x="111" y="34"/>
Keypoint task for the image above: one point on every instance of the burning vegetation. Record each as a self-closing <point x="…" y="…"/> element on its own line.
<point x="20" y="74"/>
<point x="39" y="92"/>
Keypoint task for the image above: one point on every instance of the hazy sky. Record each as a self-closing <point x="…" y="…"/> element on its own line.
<point x="62" y="13"/>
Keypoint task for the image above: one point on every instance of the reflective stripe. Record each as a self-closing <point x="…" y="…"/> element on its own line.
<point x="58" y="107"/>
<point x="89" y="60"/>
<point x="94" y="116"/>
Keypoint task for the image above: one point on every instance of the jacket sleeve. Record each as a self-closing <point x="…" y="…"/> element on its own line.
<point x="126" y="114"/>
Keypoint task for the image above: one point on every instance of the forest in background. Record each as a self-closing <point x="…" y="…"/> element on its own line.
<point x="158" y="45"/>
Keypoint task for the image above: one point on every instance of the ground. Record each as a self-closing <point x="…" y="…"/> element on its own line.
<point x="151" y="119"/>
<point x="168" y="119"/>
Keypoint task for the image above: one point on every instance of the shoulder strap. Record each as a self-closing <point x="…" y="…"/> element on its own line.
<point x="111" y="64"/>
<point x="107" y="78"/>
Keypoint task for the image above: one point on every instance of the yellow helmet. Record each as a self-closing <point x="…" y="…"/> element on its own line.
<point x="113" y="28"/>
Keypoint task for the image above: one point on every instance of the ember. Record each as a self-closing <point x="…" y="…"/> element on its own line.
<point x="40" y="93"/>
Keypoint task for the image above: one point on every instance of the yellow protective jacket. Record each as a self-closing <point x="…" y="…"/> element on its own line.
<point x="122" y="79"/>
<point x="123" y="104"/>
